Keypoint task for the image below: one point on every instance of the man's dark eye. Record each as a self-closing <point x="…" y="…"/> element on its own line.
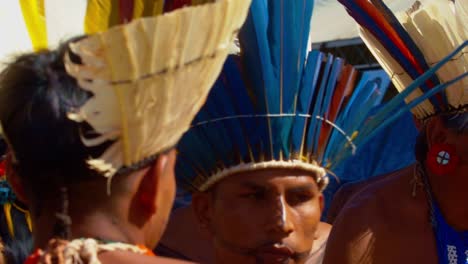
<point x="253" y="196"/>
<point x="299" y="198"/>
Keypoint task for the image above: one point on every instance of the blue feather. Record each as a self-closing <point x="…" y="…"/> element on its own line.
<point x="307" y="90"/>
<point x="314" y="125"/>
<point x="368" y="93"/>
<point x="391" y="107"/>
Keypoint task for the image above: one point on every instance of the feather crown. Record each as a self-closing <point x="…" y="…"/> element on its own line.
<point x="408" y="44"/>
<point x="276" y="105"/>
<point x="149" y="78"/>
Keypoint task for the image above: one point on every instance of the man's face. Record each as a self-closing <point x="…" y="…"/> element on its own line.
<point x="264" y="216"/>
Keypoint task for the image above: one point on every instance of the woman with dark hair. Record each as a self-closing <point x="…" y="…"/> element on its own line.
<point x="92" y="126"/>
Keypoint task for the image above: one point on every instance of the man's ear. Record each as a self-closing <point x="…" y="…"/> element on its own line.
<point x="322" y="202"/>
<point x="202" y="204"/>
<point x="147" y="189"/>
<point x="150" y="185"/>
<point x="165" y="164"/>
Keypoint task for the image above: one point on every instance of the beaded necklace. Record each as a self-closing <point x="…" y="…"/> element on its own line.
<point x="452" y="245"/>
<point x="83" y="250"/>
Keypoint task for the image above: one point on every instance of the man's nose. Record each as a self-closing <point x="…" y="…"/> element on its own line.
<point x="280" y="220"/>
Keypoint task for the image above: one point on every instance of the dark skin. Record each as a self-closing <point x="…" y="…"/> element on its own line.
<point x="135" y="213"/>
<point x="184" y="237"/>
<point x="385" y="223"/>
<point x="263" y="216"/>
<point x="346" y="192"/>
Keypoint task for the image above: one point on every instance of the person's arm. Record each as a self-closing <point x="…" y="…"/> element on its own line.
<point x="339" y="200"/>
<point x="351" y="239"/>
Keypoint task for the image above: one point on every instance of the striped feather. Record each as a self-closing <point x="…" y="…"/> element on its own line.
<point x="384" y="26"/>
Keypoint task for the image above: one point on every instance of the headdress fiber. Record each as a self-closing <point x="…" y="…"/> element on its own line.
<point x="408" y="44"/>
<point x="277" y="105"/>
<point x="148" y="78"/>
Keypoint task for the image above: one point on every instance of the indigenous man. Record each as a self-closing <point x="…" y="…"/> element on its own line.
<point x="417" y="214"/>
<point x="91" y="128"/>
<point x="255" y="156"/>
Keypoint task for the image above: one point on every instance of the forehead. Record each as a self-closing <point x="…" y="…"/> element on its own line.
<point x="270" y="178"/>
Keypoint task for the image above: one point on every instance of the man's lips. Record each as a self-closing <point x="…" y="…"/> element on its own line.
<point x="276" y="253"/>
<point x="277" y="249"/>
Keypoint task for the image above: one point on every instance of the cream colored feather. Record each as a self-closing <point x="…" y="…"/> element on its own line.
<point x="399" y="77"/>
<point x="437" y="28"/>
<point x="434" y="29"/>
<point x="150" y="77"/>
<point x="461" y="11"/>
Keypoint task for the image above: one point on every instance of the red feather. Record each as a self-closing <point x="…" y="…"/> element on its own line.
<point x="126" y="11"/>
<point x="175" y="4"/>
<point x="383" y="23"/>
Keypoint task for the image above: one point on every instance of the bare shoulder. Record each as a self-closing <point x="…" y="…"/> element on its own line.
<point x="347" y="191"/>
<point x="367" y="213"/>
<point x="127" y="257"/>
<point x="318" y="249"/>
<point x="381" y="187"/>
<point x="352" y="235"/>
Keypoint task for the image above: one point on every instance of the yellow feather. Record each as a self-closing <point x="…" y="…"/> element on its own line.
<point x="101" y="15"/>
<point x="199" y="2"/>
<point x="157" y="8"/>
<point x="138" y="8"/>
<point x="34" y="17"/>
<point x="147" y="8"/>
<point x="142" y="68"/>
<point x="7" y="212"/>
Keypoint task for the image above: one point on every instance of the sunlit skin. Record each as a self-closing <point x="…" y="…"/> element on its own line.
<point x="135" y="213"/>
<point x="263" y="216"/>
<point x="386" y="223"/>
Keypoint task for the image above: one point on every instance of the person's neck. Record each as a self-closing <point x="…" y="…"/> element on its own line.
<point x="87" y="223"/>
<point x="451" y="195"/>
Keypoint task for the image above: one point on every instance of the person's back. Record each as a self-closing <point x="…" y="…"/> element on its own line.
<point x="385" y="223"/>
<point x="91" y="127"/>
<point x="347" y="192"/>
<point x="419" y="214"/>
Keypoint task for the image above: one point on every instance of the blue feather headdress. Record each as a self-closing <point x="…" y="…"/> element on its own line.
<point x="277" y="105"/>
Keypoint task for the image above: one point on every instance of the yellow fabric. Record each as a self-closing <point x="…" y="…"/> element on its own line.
<point x="34" y="17"/>
<point x="101" y="15"/>
<point x="7" y="211"/>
